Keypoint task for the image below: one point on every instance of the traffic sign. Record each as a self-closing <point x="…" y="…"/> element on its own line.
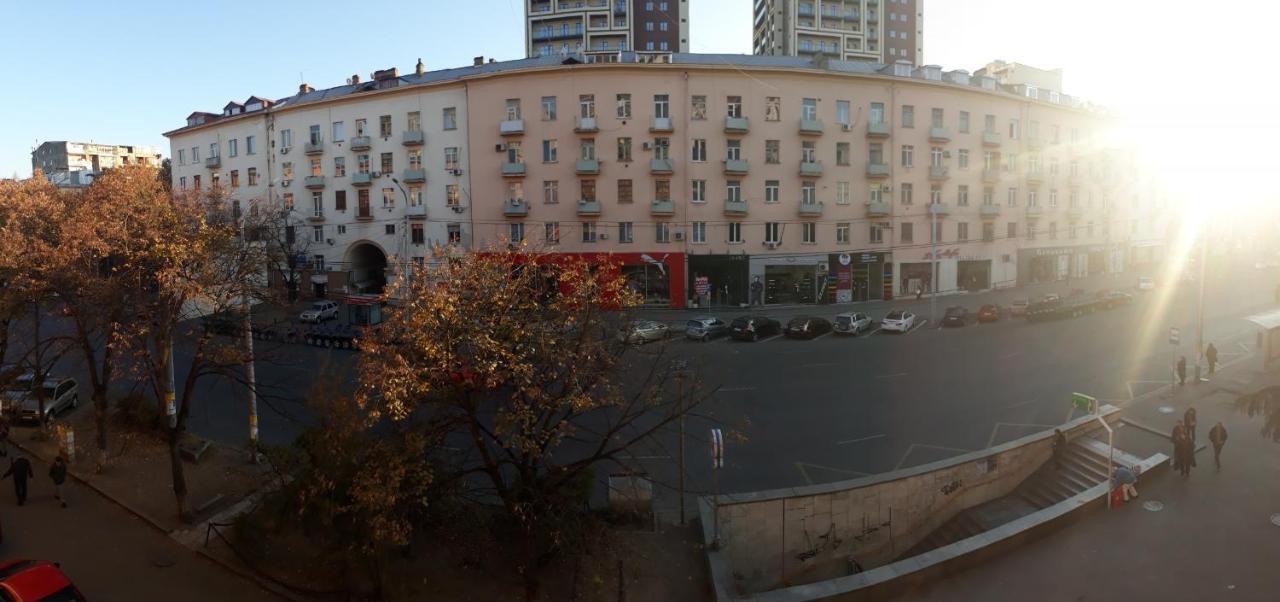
<point x="1084" y="403"/>
<point x="702" y="285"/>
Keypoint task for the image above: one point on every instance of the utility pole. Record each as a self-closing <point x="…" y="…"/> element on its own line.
<point x="679" y="366"/>
<point x="1204" y="246"/>
<point x="933" y="265"/>
<point x="249" y="373"/>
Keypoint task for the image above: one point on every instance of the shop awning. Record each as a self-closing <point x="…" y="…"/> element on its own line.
<point x="1268" y="321"/>
<point x="361" y="299"/>
<point x="319" y="279"/>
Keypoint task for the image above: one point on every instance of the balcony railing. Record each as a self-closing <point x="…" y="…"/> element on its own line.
<point x="314" y="182"/>
<point x="416" y="211"/>
<point x="1034" y="211"/>
<point x="316" y="217"/>
<point x="515" y="208"/>
<point x="414" y="175"/>
<point x="877" y="129"/>
<point x="587" y="166"/>
<point x="556" y="33"/>
<point x="662" y="208"/>
<point x="1035" y="176"/>
<point x="1075" y="213"/>
<point x="938" y="172"/>
<point x="736" y="125"/>
<point x="511" y="127"/>
<point x="811" y="168"/>
<point x="811" y="127"/>
<point x="513" y="169"/>
<point x="660" y="124"/>
<point x="990" y="211"/>
<point x="586" y="125"/>
<point x="361" y="179"/>
<point x="213" y="162"/>
<point x="1035" y="144"/>
<point x="413" y="138"/>
<point x="364" y="213"/>
<point x="735" y="207"/>
<point x="588" y="207"/>
<point x="359" y="143"/>
<point x="736" y="167"/>
<point x="877" y="170"/>
<point x="878" y="209"/>
<point x="660" y="166"/>
<point x="810" y="210"/>
<point x="990" y="139"/>
<point x="313" y="148"/>
<point x="939" y="135"/>
<point x="990" y="176"/>
<point x="939" y="209"/>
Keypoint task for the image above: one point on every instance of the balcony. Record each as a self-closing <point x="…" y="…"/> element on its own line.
<point x="939" y="135"/>
<point x="416" y="211"/>
<point x="1034" y="211"/>
<point x="736" y="125"/>
<point x="660" y="166"/>
<point x="1035" y="176"/>
<point x="877" y="170"/>
<point x="515" y="208"/>
<point x="511" y="127"/>
<point x="1075" y="213"/>
<point x="1073" y="180"/>
<point x="1035" y="144"/>
<point x="586" y="125"/>
<point x="512" y="169"/>
<point x="811" y="127"/>
<point x="313" y="148"/>
<point x="990" y="211"/>
<point x="414" y="175"/>
<point x="938" y="172"/>
<point x="878" y="209"/>
<point x="315" y="218"/>
<point x="939" y="209"/>
<point x="991" y="176"/>
<point x="213" y="162"/>
<point x="588" y="207"/>
<point x="557" y="33"/>
<point x="810" y="209"/>
<point x="587" y="167"/>
<point x="359" y="143"/>
<point x="872" y="17"/>
<point x="662" y="208"/>
<point x="811" y="168"/>
<point x="735" y="207"/>
<point x="660" y="124"/>
<point x="990" y="139"/>
<point x="361" y="179"/>
<point x="735" y="167"/>
<point x="314" y="182"/>
<point x="364" y="214"/>
<point x="413" y="138"/>
<point x="877" y="129"/>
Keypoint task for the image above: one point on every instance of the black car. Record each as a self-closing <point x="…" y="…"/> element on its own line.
<point x="751" y="328"/>
<point x="807" y="327"/>
<point x="955" y="316"/>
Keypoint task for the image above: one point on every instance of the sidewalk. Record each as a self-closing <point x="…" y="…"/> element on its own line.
<point x="1213" y="538"/>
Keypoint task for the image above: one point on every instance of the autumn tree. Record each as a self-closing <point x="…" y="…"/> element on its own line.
<point x="284" y="249"/>
<point x="514" y="357"/>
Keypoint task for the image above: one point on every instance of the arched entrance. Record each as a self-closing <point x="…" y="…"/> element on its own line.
<point x="366" y="268"/>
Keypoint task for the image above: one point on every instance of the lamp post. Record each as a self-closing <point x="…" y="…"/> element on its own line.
<point x="933" y="265"/>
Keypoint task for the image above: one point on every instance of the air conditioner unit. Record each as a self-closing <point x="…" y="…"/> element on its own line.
<point x="286" y="182"/>
<point x="648" y="146"/>
<point x="497" y="148"/>
<point x="770" y="245"/>
<point x="848" y="127"/>
<point x="456" y="172"/>
<point x="603" y="236"/>
<point x="284" y="151"/>
<point x="330" y="241"/>
<point x="679" y="235"/>
<point x="456" y="208"/>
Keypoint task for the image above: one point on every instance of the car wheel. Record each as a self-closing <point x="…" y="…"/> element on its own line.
<point x="75" y="401"/>
<point x="755" y="337"/>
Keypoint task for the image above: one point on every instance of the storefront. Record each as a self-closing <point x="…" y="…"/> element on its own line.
<point x="916" y="277"/>
<point x="719" y="280"/>
<point x="973" y="274"/>
<point x="658" y="278"/>
<point x="858" y="277"/>
<point x="1050" y="264"/>
<point x="792" y="279"/>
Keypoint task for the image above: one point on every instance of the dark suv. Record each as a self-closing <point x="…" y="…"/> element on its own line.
<point x="955" y="316"/>
<point x="807" y="327"/>
<point x="751" y="328"/>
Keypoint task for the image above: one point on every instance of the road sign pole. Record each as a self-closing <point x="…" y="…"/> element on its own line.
<point x="717" y="462"/>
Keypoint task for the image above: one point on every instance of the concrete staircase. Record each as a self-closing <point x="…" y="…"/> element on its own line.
<point x="1084" y="465"/>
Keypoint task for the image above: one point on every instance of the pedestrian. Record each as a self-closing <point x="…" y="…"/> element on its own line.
<point x="1218" y="437"/>
<point x="20" y="468"/>
<point x="58" y="472"/>
<point x="4" y="437"/>
<point x="1059" y="448"/>
<point x="1124" y="478"/>
<point x="1182" y="370"/>
<point x="919" y="293"/>
<point x="757" y="292"/>
<point x="1189" y="421"/>
<point x="1181" y="461"/>
<point x="1211" y="354"/>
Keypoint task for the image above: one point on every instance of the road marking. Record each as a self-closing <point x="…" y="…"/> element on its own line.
<point x="771" y="338"/>
<point x="1129" y="385"/>
<point x="891" y="375"/>
<point x="800" y="466"/>
<point x="652" y="457"/>
<point x="819" y="365"/>
<point x="872" y="332"/>
<point x="733" y="389"/>
<point x="827" y="333"/>
<point x="1010" y="355"/>
<point x="915" y="445"/>
<point x="860" y="439"/>
<point x="996" y="428"/>
<point x="915" y="327"/>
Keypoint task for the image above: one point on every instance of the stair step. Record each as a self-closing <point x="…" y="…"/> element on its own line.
<point x="1033" y="499"/>
<point x="1079" y="482"/>
<point x="1100" y="449"/>
<point x="1089" y="458"/>
<point x="1054" y="491"/>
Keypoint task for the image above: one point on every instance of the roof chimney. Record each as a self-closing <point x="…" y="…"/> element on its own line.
<point x="304" y="88"/>
<point x="420" y="68"/>
<point x="492" y="61"/>
<point x="478" y="61"/>
<point x="355" y="79"/>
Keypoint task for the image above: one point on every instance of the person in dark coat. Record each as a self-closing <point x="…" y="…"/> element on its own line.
<point x="1181" y="462"/>
<point x="1218" y="437"/>
<point x="1059" y="448"/>
<point x="1189" y="423"/>
<point x="58" y="472"/>
<point x="1182" y="370"/>
<point x="20" y="468"/>
<point x="1211" y="354"/>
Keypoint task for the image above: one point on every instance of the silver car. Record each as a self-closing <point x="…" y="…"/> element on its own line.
<point x="643" y="331"/>
<point x="705" y="329"/>
<point x="320" y="311"/>
<point x="60" y="394"/>
<point x="852" y="323"/>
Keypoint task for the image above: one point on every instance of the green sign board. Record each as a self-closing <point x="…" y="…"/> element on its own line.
<point x="1084" y="403"/>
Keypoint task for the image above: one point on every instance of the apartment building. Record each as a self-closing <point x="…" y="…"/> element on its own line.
<point x="603" y="27"/>
<point x="70" y="164"/>
<point x="882" y="31"/>
<point x="696" y="174"/>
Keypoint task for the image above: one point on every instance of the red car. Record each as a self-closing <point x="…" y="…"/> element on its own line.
<point x="36" y="581"/>
<point x="989" y="313"/>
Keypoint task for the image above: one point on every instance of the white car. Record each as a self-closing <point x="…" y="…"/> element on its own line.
<point x="898" y="321"/>
<point x="1145" y="283"/>
<point x="320" y="311"/>
<point x="852" y="323"/>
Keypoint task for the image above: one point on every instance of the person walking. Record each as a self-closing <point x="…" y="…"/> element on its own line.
<point x="1211" y="354"/>
<point x="58" y="472"/>
<point x="1181" y="462"/>
<point x="20" y="468"/>
<point x="757" y="292"/>
<point x="1218" y="437"/>
<point x="1189" y="422"/>
<point x="1182" y="370"/>
<point x="919" y="293"/>
<point x="1059" y="448"/>
<point x="1124" y="478"/>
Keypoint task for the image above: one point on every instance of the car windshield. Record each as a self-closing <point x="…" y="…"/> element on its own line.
<point x="697" y="323"/>
<point x="319" y="305"/>
<point x="844" y="319"/>
<point x="895" y="315"/>
<point x="955" y="311"/>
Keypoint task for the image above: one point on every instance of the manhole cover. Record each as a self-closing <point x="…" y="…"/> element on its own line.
<point x="1275" y="519"/>
<point x="1165" y="410"/>
<point x="1155" y="506"/>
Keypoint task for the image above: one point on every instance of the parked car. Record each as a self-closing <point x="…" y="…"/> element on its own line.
<point x="1112" y="299"/>
<point x="320" y="311"/>
<point x="1051" y="297"/>
<point x="898" y="321"/>
<point x="36" y="581"/>
<point x="852" y="323"/>
<point x="989" y="313"/>
<point x="644" y="331"/>
<point x="955" y="316"/>
<point x="1019" y="307"/>
<point x="751" y="328"/>
<point x="1146" y="283"/>
<point x="705" y="329"/>
<point x="60" y="394"/>
<point x="807" y="327"/>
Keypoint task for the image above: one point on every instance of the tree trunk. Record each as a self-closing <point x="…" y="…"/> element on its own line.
<point x="100" y="421"/>
<point x="179" y="477"/>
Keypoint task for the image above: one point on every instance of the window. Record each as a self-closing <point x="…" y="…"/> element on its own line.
<point x="808" y="152"/>
<point x="842" y="153"/>
<point x="450" y="118"/>
<point x="387" y="163"/>
<point x="452" y="195"/>
<point x="317" y="203"/>
<point x="936" y="118"/>
<point x="587" y="190"/>
<point x="877" y="113"/>
<point x="451" y="158"/>
<point x="515" y="232"/>
<point x="340" y="200"/>
<point x="698" y="104"/>
<point x="624" y="232"/>
<point x="587" y="106"/>
<point x="233" y="148"/>
<point x="809" y="109"/>
<point x="733" y="106"/>
<point x="286" y="170"/>
<point x="287" y="198"/>
<point x="389" y="196"/>
<point x="962" y="231"/>
<point x="935" y="156"/>
<point x="935" y="194"/>
<point x="1053" y="198"/>
<point x="362" y="127"/>
<point x="842" y="112"/>
<point x="905" y="192"/>
<point x="908" y="155"/>
<point x="313" y="135"/>
<point x="316" y="169"/>
<point x="962" y="196"/>
<point x="733" y="191"/>
<point x="906" y="229"/>
<point x="662" y="106"/>
<point x="317" y="235"/>
<point x="1053" y="230"/>
<point x="809" y="233"/>
<point x="964" y="122"/>
<point x="250" y="145"/>
<point x="773" y="108"/>
<point x="253" y="176"/>
<point x="874" y="193"/>
<point x="337" y="134"/>
<point x="589" y="232"/>
<point x="182" y="183"/>
<point x="549" y="151"/>
<point x="513" y="109"/>
<point x="213" y="150"/>
<point x="195" y="154"/>
<point x="733" y="150"/>
<point x="699" y="150"/>
<point x="1033" y="129"/>
<point x="662" y="148"/>
<point x="808" y="193"/>
<point x="1053" y="166"/>
<point x="698" y="232"/>
<point x="384" y="126"/>
<point x="842" y="193"/>
<point x="771" y="191"/>
<point x="548" y="108"/>
<point x="1011" y="230"/>
<point x="908" y="116"/>
<point x="698" y="191"/>
<point x="182" y="156"/>
<point x="413" y="121"/>
<point x="551" y="233"/>
<point x="842" y="233"/>
<point x="624" y="150"/>
<point x="735" y="233"/>
<point x="1012" y="199"/>
<point x="286" y="138"/>
<point x="962" y="158"/>
<point x="455" y="234"/>
<point x="362" y="203"/>
<point x="1088" y="229"/>
<point x="1011" y="162"/>
<point x="935" y="233"/>
<point x="772" y="154"/>
<point x="415" y="158"/>
<point x="988" y="232"/>
<point x="1031" y="230"/>
<point x="339" y="167"/>
<point x="771" y="232"/>
<point x="624" y="106"/>
<point x="1013" y="129"/>
<point x="875" y="153"/>
<point x="662" y="232"/>
<point x="417" y="234"/>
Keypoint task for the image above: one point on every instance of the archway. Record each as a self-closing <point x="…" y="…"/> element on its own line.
<point x="367" y="268"/>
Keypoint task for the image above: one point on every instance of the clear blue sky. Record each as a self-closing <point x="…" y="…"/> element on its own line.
<point x="124" y="72"/>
